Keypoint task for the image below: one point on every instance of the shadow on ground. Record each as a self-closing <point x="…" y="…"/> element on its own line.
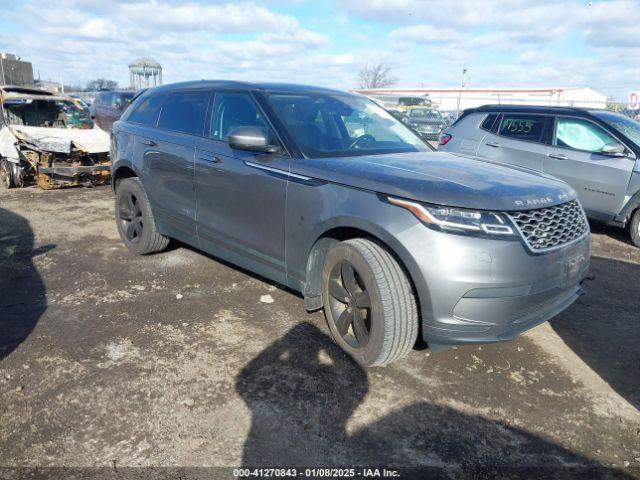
<point x="619" y="234"/>
<point x="22" y="291"/>
<point x="302" y="390"/>
<point x="608" y="342"/>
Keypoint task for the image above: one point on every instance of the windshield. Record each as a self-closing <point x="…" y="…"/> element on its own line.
<point x="39" y="112"/>
<point x="342" y="125"/>
<point x="628" y="127"/>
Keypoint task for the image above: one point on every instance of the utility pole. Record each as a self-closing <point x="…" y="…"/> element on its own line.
<point x="464" y="82"/>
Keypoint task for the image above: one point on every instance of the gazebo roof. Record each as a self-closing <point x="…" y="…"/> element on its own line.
<point x="145" y="63"/>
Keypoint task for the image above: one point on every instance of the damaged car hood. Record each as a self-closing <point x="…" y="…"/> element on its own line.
<point x="62" y="140"/>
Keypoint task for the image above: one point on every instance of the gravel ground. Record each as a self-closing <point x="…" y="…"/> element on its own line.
<point x="109" y="361"/>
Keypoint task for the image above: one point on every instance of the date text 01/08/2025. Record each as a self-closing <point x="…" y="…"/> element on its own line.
<point x="315" y="473"/>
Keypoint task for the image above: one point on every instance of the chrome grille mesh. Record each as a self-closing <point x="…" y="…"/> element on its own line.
<point x="551" y="227"/>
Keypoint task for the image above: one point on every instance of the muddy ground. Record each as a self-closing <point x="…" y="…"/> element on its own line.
<point x="109" y="360"/>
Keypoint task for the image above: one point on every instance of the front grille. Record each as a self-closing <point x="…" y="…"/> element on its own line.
<point x="551" y="227"/>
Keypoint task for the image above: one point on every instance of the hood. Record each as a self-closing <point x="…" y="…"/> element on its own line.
<point x="441" y="178"/>
<point x="61" y="139"/>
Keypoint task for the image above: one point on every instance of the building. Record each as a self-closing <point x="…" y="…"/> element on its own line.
<point x="50" y="86"/>
<point x="144" y="73"/>
<point x="451" y="99"/>
<point x="15" y="71"/>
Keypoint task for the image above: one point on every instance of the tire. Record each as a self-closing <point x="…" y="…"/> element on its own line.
<point x="391" y="319"/>
<point x="634" y="228"/>
<point x="7" y="177"/>
<point x="135" y="221"/>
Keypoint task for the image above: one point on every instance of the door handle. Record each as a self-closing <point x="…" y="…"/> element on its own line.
<point x="493" y="144"/>
<point x="214" y="159"/>
<point x="149" y="143"/>
<point x="558" y="156"/>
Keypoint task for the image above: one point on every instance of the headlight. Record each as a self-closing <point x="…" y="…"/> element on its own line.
<point x="460" y="220"/>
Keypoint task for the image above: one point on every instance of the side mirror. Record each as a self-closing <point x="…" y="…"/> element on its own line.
<point x="253" y="139"/>
<point x="614" y="150"/>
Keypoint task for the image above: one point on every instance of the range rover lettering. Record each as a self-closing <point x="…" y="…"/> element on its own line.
<point x="327" y="193"/>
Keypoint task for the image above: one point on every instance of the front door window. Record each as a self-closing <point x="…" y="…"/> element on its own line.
<point x="580" y="134"/>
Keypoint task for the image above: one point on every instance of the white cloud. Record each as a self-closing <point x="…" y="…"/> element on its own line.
<point x="80" y="40"/>
<point x="227" y="18"/>
<point x="503" y="42"/>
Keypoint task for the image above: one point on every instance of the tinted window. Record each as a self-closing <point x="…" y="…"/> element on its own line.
<point x="522" y="127"/>
<point x="185" y="112"/>
<point x="104" y="98"/>
<point x="122" y="98"/>
<point x="488" y="122"/>
<point x="580" y="135"/>
<point x="146" y="111"/>
<point x="233" y="110"/>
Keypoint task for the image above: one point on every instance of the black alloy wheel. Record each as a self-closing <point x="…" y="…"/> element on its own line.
<point x="130" y="217"/>
<point x="350" y="304"/>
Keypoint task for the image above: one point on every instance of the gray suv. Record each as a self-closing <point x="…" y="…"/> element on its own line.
<point x="594" y="151"/>
<point x="327" y="193"/>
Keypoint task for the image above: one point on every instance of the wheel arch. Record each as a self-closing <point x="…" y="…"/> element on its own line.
<point x="333" y="234"/>
<point x="121" y="172"/>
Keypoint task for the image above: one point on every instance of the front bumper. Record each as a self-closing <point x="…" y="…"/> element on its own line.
<point x="427" y="134"/>
<point x="477" y="290"/>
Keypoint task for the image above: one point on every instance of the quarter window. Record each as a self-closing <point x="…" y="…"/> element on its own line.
<point x="146" y="112"/>
<point x="522" y="127"/>
<point x="580" y="134"/>
<point x="185" y="112"/>
<point x="233" y="110"/>
<point x="488" y="122"/>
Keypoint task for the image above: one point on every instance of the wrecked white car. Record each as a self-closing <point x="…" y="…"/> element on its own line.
<point x="50" y="141"/>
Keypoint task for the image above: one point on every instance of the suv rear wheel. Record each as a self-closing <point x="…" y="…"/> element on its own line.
<point x="368" y="302"/>
<point x="136" y="225"/>
<point x="6" y="174"/>
<point x="635" y="228"/>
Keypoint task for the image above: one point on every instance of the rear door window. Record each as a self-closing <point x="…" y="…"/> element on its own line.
<point x="579" y="134"/>
<point x="522" y="127"/>
<point x="185" y="112"/>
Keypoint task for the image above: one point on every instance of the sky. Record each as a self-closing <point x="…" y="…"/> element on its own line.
<point x="502" y="43"/>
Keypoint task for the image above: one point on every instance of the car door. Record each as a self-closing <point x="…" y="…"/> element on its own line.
<point x="97" y="109"/>
<point x="112" y="111"/>
<point x="240" y="194"/>
<point x="167" y="154"/>
<point x="576" y="157"/>
<point x="517" y="139"/>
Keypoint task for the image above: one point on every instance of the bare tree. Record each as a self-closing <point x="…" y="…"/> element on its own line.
<point x="376" y="76"/>
<point x="101" y="84"/>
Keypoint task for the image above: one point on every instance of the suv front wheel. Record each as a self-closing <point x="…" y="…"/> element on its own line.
<point x="368" y="302"/>
<point x="635" y="228"/>
<point x="136" y="225"/>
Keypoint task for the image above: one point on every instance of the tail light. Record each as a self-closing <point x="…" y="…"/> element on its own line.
<point x="444" y="139"/>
